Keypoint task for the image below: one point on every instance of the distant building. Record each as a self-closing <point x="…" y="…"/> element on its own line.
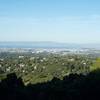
<point x="32" y="58"/>
<point x="21" y="65"/>
<point x="35" y="67"/>
<point x="21" y="57"/>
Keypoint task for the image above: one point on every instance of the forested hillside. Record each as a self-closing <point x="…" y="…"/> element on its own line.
<point x="46" y="76"/>
<point x="43" y="67"/>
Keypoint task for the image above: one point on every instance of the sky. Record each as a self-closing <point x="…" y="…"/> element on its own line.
<point x="70" y="21"/>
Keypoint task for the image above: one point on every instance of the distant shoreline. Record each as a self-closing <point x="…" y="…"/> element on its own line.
<point x="48" y="45"/>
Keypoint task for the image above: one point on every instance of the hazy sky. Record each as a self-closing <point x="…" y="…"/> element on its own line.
<point x="71" y="21"/>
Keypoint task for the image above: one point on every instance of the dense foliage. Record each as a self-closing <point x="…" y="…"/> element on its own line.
<point x="47" y="76"/>
<point x="72" y="87"/>
<point x="43" y="67"/>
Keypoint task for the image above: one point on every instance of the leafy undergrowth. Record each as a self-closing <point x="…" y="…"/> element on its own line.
<point x="72" y="87"/>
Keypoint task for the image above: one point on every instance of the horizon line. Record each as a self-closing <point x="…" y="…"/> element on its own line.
<point x="49" y="42"/>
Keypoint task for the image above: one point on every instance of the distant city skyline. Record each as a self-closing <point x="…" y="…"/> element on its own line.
<point x="68" y="21"/>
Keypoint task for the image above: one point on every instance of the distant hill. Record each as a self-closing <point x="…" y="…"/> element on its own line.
<point x="46" y="44"/>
